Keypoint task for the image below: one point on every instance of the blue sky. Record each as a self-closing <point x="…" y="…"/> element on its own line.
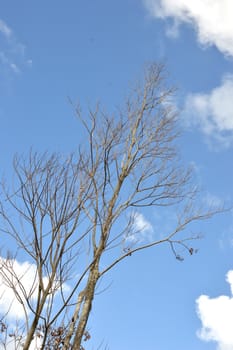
<point x="92" y="51"/>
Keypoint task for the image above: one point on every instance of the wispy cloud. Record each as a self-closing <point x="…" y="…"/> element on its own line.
<point x="141" y="229"/>
<point x="12" y="52"/>
<point x="216" y="315"/>
<point x="15" y="68"/>
<point x="212" y="19"/>
<point x="4" y="29"/>
<point x="212" y="112"/>
<point x="213" y="201"/>
<point x="7" y="62"/>
<point x="141" y="224"/>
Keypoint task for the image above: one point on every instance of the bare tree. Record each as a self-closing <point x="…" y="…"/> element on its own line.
<point x="66" y="214"/>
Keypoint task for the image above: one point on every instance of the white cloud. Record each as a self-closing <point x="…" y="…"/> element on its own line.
<point x="19" y="282"/>
<point x="29" y="62"/>
<point x="15" y="68"/>
<point x="213" y="112"/>
<point x="230" y="279"/>
<point x="26" y="273"/>
<point x="141" y="224"/>
<point x="12" y="343"/>
<point x="212" y="19"/>
<point x="141" y="229"/>
<point x="213" y="201"/>
<point x="216" y="315"/>
<point x="5" y="60"/>
<point x="12" y="54"/>
<point x="4" y="29"/>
